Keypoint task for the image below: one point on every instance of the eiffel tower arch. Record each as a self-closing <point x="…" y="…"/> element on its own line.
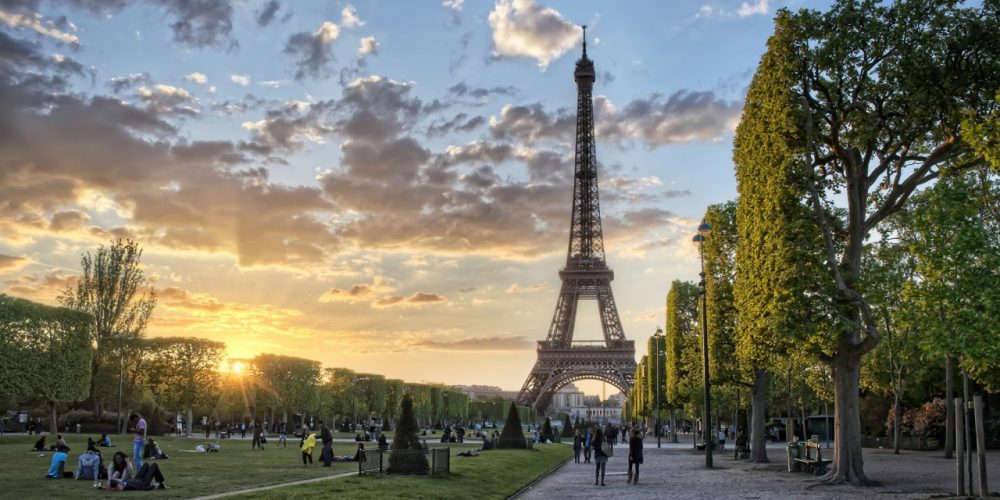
<point x="586" y="276"/>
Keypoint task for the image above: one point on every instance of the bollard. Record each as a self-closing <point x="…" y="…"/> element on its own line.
<point x="984" y="490"/>
<point x="959" y="447"/>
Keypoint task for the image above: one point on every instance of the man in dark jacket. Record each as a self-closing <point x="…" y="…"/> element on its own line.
<point x="327" y="437"/>
<point x="634" y="456"/>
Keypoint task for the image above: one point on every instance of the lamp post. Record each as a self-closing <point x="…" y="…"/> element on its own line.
<point x="703" y="231"/>
<point x="656" y="342"/>
<point x="121" y="376"/>
<point x="354" y="416"/>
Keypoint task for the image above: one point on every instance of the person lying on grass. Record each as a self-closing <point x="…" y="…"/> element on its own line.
<point x="149" y="477"/>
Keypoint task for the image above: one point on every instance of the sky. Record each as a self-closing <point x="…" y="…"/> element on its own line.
<point x="382" y="186"/>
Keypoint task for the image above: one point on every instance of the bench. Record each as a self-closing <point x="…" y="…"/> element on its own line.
<point x="813" y="461"/>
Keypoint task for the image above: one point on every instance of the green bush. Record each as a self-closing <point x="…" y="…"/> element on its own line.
<point x="407" y="456"/>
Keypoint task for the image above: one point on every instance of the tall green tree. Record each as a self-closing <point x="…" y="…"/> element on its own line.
<point x="405" y="457"/>
<point x="291" y="381"/>
<point x="682" y="347"/>
<point x="45" y="352"/>
<point x="883" y="91"/>
<point x="115" y="291"/>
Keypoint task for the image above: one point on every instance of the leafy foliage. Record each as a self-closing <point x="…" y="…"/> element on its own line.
<point x="406" y="456"/>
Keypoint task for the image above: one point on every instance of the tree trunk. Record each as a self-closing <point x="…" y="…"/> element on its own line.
<point x="949" y="399"/>
<point x="187" y="424"/>
<point x="54" y="421"/>
<point x="848" y="464"/>
<point x="673" y="426"/>
<point x="895" y="423"/>
<point x="789" y="420"/>
<point x="758" y="437"/>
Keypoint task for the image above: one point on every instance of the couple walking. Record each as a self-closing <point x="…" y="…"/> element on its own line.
<point x="603" y="450"/>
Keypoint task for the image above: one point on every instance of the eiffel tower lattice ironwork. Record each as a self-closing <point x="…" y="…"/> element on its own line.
<point x="562" y="360"/>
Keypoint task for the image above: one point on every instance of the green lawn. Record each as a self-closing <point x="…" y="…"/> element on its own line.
<point x="22" y="473"/>
<point x="493" y="474"/>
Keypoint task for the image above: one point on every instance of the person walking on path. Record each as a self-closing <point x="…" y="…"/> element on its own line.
<point x="588" y="437"/>
<point x="139" y="442"/>
<point x="634" y="456"/>
<point x="577" y="446"/>
<point x="600" y="456"/>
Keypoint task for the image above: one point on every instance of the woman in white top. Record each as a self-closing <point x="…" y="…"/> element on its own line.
<point x="120" y="468"/>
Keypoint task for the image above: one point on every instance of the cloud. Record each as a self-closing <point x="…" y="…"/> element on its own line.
<point x="358" y="292"/>
<point x="266" y="13"/>
<point x="461" y="122"/>
<point x="289" y="126"/>
<point x="537" y="287"/>
<point x="242" y="80"/>
<point x="480" y="95"/>
<point x="369" y="45"/>
<point x="455" y="5"/>
<point x="167" y="99"/>
<point x="654" y="121"/>
<point x="41" y="287"/>
<point x="11" y="263"/>
<point x="178" y="298"/>
<point x="68" y="220"/>
<point x="314" y="50"/>
<point x="349" y="17"/>
<point x="120" y="84"/>
<point x="200" y="23"/>
<point x="758" y="7"/>
<point x="523" y="29"/>
<point x="38" y="24"/>
<point x="513" y="343"/>
<point x="196" y="78"/>
<point x="417" y="299"/>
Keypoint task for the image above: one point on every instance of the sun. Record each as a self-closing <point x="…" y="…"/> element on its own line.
<point x="238" y="367"/>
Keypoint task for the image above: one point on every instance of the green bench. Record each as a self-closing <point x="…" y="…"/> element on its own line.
<point x="813" y="460"/>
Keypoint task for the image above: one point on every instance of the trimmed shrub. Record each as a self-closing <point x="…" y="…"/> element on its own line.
<point x="567" y="430"/>
<point x="512" y="437"/>
<point x="404" y="458"/>
<point x="547" y="434"/>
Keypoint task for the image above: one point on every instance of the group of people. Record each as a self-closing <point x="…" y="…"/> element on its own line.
<point x="307" y="444"/>
<point x="120" y="473"/>
<point x="599" y="442"/>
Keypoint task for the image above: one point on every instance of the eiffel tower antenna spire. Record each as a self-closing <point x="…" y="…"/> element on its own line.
<point x="584" y="41"/>
<point x="586" y="276"/>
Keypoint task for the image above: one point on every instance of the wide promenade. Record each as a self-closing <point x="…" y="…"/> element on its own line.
<point x="678" y="471"/>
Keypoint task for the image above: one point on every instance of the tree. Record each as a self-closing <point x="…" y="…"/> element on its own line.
<point x="407" y="455"/>
<point x="775" y="263"/>
<point x="512" y="436"/>
<point x="115" y="291"/>
<point x="44" y="352"/>
<point x="882" y="93"/>
<point x="289" y="381"/>
<point x="183" y="372"/>
<point x="681" y="340"/>
<point x="567" y="430"/>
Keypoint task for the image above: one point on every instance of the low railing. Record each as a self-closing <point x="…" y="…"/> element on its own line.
<point x="377" y="461"/>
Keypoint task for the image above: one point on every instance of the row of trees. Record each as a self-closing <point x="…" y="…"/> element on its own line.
<point x="863" y="247"/>
<point x="94" y="351"/>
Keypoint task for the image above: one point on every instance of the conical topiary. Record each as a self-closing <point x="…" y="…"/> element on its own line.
<point x="567" y="430"/>
<point x="512" y="436"/>
<point x="407" y="455"/>
<point x="547" y="434"/>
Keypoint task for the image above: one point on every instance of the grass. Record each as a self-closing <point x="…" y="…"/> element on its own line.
<point x="22" y="474"/>
<point x="493" y="474"/>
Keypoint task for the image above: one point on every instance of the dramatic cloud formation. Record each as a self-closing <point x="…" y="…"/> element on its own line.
<point x="523" y="29"/>
<point x="314" y="50"/>
<point x="36" y="23"/>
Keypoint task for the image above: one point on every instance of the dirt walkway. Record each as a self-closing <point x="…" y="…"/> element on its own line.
<point x="679" y="472"/>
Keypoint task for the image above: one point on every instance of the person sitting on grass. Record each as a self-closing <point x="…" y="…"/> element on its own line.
<point x="60" y="442"/>
<point x="120" y="468"/>
<point x="153" y="451"/>
<point x="41" y="444"/>
<point x="88" y="466"/>
<point x="149" y="477"/>
<point x="105" y="441"/>
<point x="57" y="470"/>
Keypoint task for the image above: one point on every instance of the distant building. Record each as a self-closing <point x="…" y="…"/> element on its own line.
<point x="485" y="392"/>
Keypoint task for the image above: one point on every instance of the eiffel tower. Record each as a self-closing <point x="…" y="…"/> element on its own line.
<point x="562" y="360"/>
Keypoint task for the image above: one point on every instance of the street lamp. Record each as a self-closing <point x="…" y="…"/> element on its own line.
<point x="703" y="231"/>
<point x="656" y="342"/>
<point x="354" y="416"/>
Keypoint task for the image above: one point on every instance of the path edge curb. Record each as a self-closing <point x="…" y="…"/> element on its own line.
<point x="539" y="478"/>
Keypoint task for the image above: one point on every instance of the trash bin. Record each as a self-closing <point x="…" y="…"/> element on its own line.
<point x="794" y="451"/>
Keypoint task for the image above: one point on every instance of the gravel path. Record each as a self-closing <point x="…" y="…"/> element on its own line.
<point x="677" y="471"/>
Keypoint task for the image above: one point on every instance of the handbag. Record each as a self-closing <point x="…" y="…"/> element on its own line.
<point x="608" y="450"/>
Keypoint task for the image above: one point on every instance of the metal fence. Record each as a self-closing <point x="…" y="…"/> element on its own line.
<point x="377" y="461"/>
